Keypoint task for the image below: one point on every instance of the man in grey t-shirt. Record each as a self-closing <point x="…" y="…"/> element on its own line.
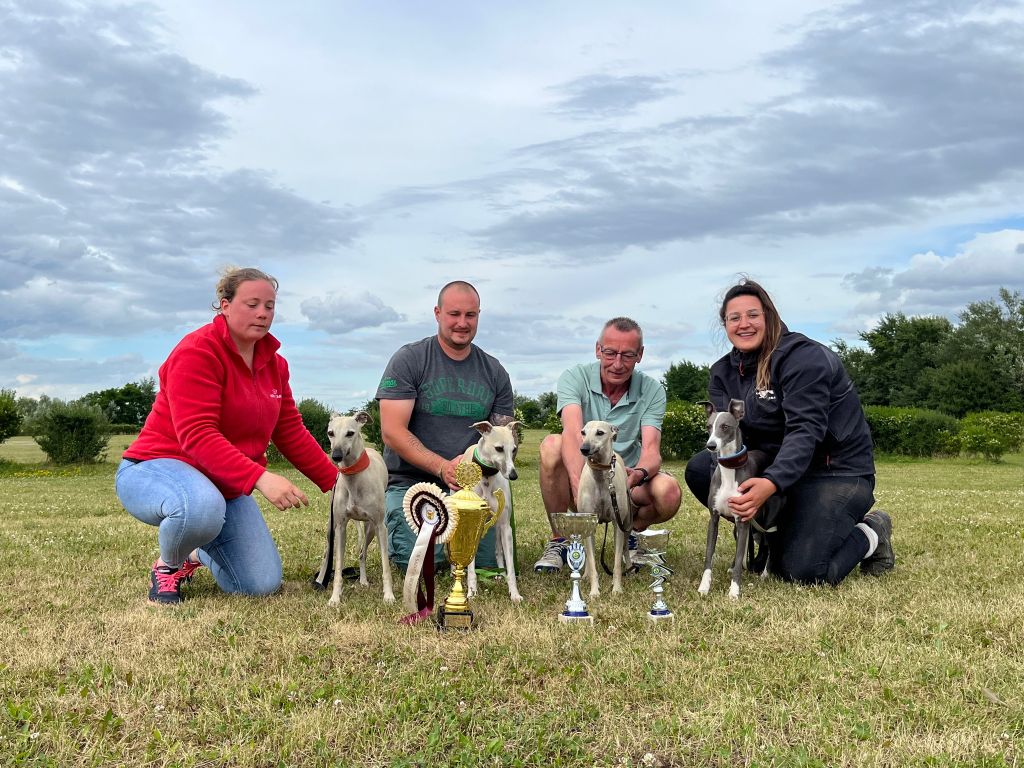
<point x="432" y="392"/>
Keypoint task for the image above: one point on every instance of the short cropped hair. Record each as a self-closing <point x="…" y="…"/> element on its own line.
<point x="623" y="325"/>
<point x="462" y="284"/>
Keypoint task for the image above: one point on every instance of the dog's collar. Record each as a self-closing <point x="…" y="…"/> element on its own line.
<point x="361" y="463"/>
<point x="600" y="467"/>
<point x="485" y="469"/>
<point x="735" y="460"/>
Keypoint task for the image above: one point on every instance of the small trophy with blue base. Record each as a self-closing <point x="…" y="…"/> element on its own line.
<point x="578" y="526"/>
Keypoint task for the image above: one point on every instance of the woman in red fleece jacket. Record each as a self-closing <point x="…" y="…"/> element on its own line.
<point x="224" y="395"/>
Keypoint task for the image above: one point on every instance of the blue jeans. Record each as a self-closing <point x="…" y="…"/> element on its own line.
<point x="231" y="535"/>
<point x="817" y="541"/>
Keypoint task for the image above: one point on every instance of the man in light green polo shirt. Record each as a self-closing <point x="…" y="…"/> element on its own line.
<point x="609" y="389"/>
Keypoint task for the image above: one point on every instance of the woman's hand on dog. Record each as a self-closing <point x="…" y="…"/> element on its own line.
<point x="280" y="491"/>
<point x="751" y="494"/>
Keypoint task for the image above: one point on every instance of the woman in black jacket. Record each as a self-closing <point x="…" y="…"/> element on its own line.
<point x="801" y="409"/>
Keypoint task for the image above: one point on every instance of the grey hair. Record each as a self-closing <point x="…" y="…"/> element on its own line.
<point x="623" y="325"/>
<point x="232" y="277"/>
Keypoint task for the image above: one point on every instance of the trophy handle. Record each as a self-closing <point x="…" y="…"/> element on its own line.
<point x="493" y="515"/>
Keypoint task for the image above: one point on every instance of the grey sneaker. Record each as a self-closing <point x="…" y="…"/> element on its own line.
<point x="883" y="559"/>
<point x="552" y="557"/>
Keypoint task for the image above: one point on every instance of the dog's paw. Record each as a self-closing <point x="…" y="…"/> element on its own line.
<point x="388" y="597"/>
<point x="734" y="591"/>
<point x="334" y="602"/>
<point x="516" y="598"/>
<point x="705" y="583"/>
<point x="617" y="589"/>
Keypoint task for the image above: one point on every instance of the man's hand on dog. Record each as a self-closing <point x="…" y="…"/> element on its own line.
<point x="752" y="493"/>
<point x="280" y="491"/>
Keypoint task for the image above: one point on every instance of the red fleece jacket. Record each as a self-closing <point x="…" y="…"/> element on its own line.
<point x="215" y="414"/>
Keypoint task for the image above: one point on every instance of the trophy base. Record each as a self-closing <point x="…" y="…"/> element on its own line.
<point x="462" y="620"/>
<point x="572" y="618"/>
<point x="666" y="616"/>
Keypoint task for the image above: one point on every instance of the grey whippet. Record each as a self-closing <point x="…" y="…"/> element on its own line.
<point x="734" y="465"/>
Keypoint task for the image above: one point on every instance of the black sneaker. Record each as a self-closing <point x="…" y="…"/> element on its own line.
<point x="883" y="559"/>
<point x="165" y="584"/>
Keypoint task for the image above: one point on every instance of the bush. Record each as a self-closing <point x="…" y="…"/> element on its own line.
<point x="10" y="416"/>
<point x="553" y="424"/>
<point x="912" y="431"/>
<point x="991" y="434"/>
<point x="684" y="431"/>
<point x="315" y="416"/>
<point x="71" y="433"/>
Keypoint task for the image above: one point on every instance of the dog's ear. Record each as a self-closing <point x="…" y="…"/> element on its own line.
<point x="362" y="417"/>
<point x="737" y="408"/>
<point x="334" y="414"/>
<point x="615" y="430"/>
<point x="483" y="427"/>
<point x="709" y="407"/>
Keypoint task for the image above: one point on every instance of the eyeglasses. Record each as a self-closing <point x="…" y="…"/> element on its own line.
<point x="611" y="354"/>
<point x="752" y="315"/>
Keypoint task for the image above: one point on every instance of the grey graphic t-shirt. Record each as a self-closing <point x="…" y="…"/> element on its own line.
<point x="450" y="396"/>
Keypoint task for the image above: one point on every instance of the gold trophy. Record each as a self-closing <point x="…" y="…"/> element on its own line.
<point x="474" y="518"/>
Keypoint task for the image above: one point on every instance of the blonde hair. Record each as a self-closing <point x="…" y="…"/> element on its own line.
<point x="772" y="326"/>
<point x="232" y="277"/>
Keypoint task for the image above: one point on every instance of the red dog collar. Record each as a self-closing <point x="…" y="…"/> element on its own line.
<point x="361" y="463"/>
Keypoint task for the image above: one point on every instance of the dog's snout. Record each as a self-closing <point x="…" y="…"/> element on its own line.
<point x="513" y="475"/>
<point x="586" y="449"/>
<point x="337" y="455"/>
<point x="712" y="445"/>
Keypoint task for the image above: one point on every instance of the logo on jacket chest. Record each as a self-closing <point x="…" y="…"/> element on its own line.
<point x="275" y="394"/>
<point x="765" y="394"/>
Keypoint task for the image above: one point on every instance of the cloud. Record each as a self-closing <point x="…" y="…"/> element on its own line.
<point x="601" y="95"/>
<point x="342" y="313"/>
<point x="105" y="179"/>
<point x="890" y="114"/>
<point x="934" y="284"/>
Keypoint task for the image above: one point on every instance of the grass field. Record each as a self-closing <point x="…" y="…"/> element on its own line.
<point x="922" y="667"/>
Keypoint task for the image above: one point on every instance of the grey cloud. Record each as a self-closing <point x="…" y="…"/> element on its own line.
<point x="342" y="313"/>
<point x="105" y="189"/>
<point x="34" y="376"/>
<point x="935" y="284"/>
<point x="898" y="111"/>
<point x="601" y="95"/>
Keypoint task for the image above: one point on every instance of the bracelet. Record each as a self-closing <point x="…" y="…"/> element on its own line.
<point x="647" y="475"/>
<point x="440" y="470"/>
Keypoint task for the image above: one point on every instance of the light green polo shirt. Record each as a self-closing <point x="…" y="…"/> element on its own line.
<point x="642" y="406"/>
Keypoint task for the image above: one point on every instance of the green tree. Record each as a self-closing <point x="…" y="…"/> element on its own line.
<point x="316" y="415"/>
<point x="687" y="382"/>
<point x="527" y="410"/>
<point x="902" y="349"/>
<point x="129" y="404"/>
<point x="10" y="418"/>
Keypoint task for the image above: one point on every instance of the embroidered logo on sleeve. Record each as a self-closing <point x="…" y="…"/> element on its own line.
<point x="388" y="383"/>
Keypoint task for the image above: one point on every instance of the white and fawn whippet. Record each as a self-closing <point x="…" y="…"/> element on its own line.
<point x="495" y="453"/>
<point x="603" y="492"/>
<point x="358" y="495"/>
<point x="735" y="464"/>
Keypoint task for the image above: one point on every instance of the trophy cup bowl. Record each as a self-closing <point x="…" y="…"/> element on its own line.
<point x="474" y="518"/>
<point x="577" y="526"/>
<point x="652" y="544"/>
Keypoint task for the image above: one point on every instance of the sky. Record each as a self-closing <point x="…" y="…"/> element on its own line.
<point x="576" y="161"/>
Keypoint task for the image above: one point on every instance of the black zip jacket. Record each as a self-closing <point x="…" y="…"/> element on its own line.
<point x="809" y="419"/>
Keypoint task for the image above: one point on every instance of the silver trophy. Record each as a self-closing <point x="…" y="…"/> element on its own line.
<point x="652" y="545"/>
<point x="578" y="526"/>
